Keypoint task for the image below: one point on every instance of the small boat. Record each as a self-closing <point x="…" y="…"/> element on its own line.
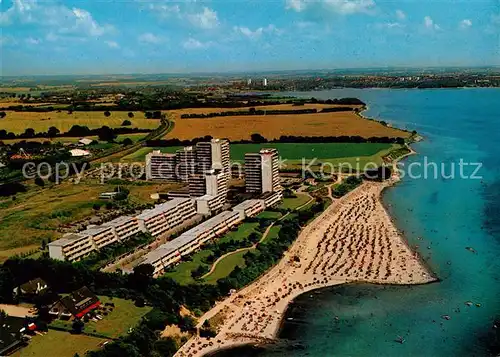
<point x="469" y="303"/>
<point x="446" y="317"/>
<point x="400" y="339"/>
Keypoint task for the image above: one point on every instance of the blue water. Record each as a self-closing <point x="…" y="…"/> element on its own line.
<point x="448" y="215"/>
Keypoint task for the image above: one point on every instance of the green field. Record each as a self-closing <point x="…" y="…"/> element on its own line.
<point x="225" y="266"/>
<point x="60" y="344"/>
<point x="293" y="203"/>
<point x="182" y="272"/>
<point x="273" y="234"/>
<point x="269" y="215"/>
<point x="17" y="122"/>
<point x="125" y="315"/>
<point x="333" y="153"/>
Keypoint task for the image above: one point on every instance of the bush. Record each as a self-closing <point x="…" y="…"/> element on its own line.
<point x="126" y="123"/>
<point x="107" y="113"/>
<point x="130" y="114"/>
<point x="127" y="142"/>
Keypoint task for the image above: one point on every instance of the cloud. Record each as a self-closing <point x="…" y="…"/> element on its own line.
<point x="429" y="24"/>
<point x="270" y="29"/>
<point x="344" y="7"/>
<point x="193" y="44"/>
<point x="150" y="38"/>
<point x="465" y="24"/>
<point x="58" y="18"/>
<point x="207" y="19"/>
<point x="400" y="15"/>
<point x="112" y="44"/>
<point x="296" y="5"/>
<point x="390" y="25"/>
<point x="32" y="41"/>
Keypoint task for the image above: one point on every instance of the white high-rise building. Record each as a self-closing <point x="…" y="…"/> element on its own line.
<point x="160" y="166"/>
<point x="262" y="171"/>
<point x="264" y="82"/>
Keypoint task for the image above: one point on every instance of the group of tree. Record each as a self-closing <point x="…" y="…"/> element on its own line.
<point x="104" y="132"/>
<point x="257" y="138"/>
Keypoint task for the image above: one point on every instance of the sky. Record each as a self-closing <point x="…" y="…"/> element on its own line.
<point x="165" y="36"/>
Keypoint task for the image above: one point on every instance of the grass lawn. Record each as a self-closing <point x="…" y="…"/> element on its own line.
<point x="226" y="266"/>
<point x="124" y="316"/>
<point x="293" y="203"/>
<point x="273" y="234"/>
<point x="60" y="344"/>
<point x="318" y="153"/>
<point x="17" y="122"/>
<point x="243" y="231"/>
<point x="182" y="272"/>
<point x="36" y="214"/>
<point x="140" y="155"/>
<point x="269" y="215"/>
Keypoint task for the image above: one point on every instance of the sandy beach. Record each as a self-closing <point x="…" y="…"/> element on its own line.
<point x="353" y="240"/>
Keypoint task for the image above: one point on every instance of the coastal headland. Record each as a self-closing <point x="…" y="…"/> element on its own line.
<point x="353" y="240"/>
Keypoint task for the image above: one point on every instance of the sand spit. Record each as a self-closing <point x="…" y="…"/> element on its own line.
<point x="354" y="240"/>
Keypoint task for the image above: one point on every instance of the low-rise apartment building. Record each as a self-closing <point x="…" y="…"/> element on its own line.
<point x="72" y="247"/>
<point x="170" y="253"/>
<point x="271" y="198"/>
<point x="101" y="235"/>
<point x="166" y="216"/>
<point x="249" y="208"/>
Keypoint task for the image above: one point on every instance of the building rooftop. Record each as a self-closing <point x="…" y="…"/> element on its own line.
<point x="247" y="204"/>
<point x="118" y="221"/>
<point x="92" y="231"/>
<point x="161" y="208"/>
<point x="69" y="238"/>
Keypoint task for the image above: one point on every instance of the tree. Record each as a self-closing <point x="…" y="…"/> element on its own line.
<point x="52" y="132"/>
<point x="106" y="134"/>
<point x="126" y="123"/>
<point x="148" y="115"/>
<point x="107" y="113"/>
<point x="78" y="326"/>
<point x="127" y="141"/>
<point x="39" y="181"/>
<point x="96" y="206"/>
<point x="130" y="114"/>
<point x="2" y="115"/>
<point x="166" y="347"/>
<point x="29" y="133"/>
<point x="257" y="138"/>
<point x="187" y="324"/>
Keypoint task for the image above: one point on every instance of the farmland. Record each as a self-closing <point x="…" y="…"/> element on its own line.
<point x="17" y="122"/>
<point x="274" y="126"/>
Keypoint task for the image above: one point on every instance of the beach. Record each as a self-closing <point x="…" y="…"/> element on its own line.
<point x="353" y="240"/>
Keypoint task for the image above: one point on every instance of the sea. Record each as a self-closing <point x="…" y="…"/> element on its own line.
<point x="452" y="218"/>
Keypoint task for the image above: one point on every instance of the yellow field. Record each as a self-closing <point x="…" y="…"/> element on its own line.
<point x="17" y="122"/>
<point x="273" y="126"/>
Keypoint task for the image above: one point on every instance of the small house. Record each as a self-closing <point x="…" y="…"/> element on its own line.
<point x="32" y="288"/>
<point x="76" y="305"/>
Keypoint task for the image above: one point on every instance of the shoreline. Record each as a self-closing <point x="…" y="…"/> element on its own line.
<point x="255" y="314"/>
